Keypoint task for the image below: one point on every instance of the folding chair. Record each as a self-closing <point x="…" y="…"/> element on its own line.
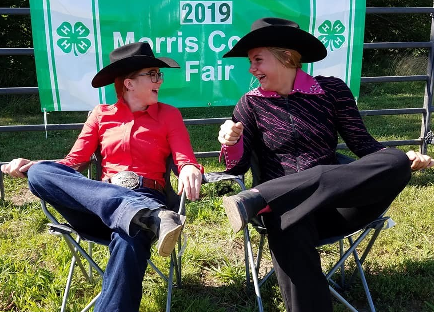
<point x="252" y="264"/>
<point x="174" y="202"/>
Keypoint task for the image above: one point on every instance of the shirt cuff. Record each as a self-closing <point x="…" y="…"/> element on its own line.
<point x="198" y="166"/>
<point x="232" y="153"/>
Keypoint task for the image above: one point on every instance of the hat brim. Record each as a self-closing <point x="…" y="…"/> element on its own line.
<point x="310" y="48"/>
<point x="127" y="65"/>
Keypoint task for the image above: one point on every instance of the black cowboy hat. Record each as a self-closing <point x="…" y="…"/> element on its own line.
<point x="127" y="59"/>
<point x="280" y="33"/>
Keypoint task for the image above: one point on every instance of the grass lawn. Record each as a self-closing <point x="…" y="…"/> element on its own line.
<point x="34" y="264"/>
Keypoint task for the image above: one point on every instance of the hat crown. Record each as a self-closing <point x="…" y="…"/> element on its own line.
<point x="273" y="21"/>
<point x="129" y="50"/>
<point x="128" y="59"/>
<point x="281" y="33"/>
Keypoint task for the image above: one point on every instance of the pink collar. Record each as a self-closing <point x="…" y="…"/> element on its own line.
<point x="303" y="83"/>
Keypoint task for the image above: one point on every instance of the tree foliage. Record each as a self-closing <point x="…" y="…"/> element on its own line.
<point x="16" y="32"/>
<point x="397" y="27"/>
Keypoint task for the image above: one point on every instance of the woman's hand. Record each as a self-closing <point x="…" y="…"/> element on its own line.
<point x="190" y="179"/>
<point x="230" y="132"/>
<point x="17" y="167"/>
<point x="419" y="161"/>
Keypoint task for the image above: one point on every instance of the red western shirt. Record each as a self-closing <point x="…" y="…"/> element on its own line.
<point x="139" y="141"/>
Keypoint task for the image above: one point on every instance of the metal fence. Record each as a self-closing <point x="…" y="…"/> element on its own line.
<point x="425" y="109"/>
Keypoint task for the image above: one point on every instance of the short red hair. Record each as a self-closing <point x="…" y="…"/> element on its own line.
<point x="119" y="83"/>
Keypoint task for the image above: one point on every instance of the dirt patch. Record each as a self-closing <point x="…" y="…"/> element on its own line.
<point x="7" y="302"/>
<point x="23" y="196"/>
<point x="237" y="251"/>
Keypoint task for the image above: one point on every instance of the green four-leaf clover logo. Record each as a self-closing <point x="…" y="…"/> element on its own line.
<point x="73" y="38"/>
<point x="332" y="37"/>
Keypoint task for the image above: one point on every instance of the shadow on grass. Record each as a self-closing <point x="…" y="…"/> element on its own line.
<point x="405" y="287"/>
<point x="423" y="178"/>
<point x="196" y="297"/>
<point x="401" y="288"/>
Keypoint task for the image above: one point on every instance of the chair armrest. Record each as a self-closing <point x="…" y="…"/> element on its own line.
<point x="212" y="177"/>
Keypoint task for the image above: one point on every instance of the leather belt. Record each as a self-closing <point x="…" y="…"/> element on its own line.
<point x="132" y="181"/>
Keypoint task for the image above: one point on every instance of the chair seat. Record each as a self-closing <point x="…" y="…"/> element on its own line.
<point x="65" y="228"/>
<point x="380" y="221"/>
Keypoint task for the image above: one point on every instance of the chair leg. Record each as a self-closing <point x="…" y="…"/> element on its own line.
<point x="70" y="241"/>
<point x="266" y="277"/>
<point x="89" y="268"/>
<point x="177" y="262"/>
<point x="76" y="251"/>
<point x="342" y="299"/>
<point x="68" y="284"/>
<point x="251" y="263"/>
<point x="173" y="270"/>
<point x="246" y="264"/>
<point x="91" y="304"/>
<point x="352" y="250"/>
<point x="363" y="278"/>
<point x="259" y="255"/>
<point x="347" y="254"/>
<point x="152" y="265"/>
<point x="76" y="255"/>
<point x="367" y="250"/>
<point x="258" y="261"/>
<point x="341" y="253"/>
<point x="75" y="248"/>
<point x="170" y="283"/>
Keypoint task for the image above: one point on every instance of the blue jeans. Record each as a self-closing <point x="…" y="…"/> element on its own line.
<point x="104" y="211"/>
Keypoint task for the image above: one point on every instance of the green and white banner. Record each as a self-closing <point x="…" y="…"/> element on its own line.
<point x="73" y="39"/>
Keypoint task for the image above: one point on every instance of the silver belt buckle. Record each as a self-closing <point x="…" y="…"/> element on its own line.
<point x="128" y="179"/>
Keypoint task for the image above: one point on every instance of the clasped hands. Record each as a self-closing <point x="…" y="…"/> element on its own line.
<point x="230" y="132"/>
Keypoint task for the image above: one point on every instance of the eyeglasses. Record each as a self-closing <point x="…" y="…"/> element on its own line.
<point x="155" y="77"/>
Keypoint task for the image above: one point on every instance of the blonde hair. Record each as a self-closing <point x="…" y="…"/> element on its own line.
<point x="119" y="83"/>
<point x="291" y="60"/>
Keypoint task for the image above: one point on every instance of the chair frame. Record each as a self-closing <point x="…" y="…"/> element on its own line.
<point x="68" y="233"/>
<point x="252" y="263"/>
<point x="381" y="223"/>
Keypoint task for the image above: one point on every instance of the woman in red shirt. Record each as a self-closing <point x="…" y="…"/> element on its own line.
<point x="134" y="136"/>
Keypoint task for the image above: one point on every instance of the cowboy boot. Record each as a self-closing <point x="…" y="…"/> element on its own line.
<point x="241" y="208"/>
<point x="165" y="224"/>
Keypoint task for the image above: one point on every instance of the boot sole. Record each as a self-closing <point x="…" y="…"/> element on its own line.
<point x="168" y="242"/>
<point x="236" y="217"/>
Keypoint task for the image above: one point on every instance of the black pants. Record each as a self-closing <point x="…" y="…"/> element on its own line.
<point x="321" y="202"/>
